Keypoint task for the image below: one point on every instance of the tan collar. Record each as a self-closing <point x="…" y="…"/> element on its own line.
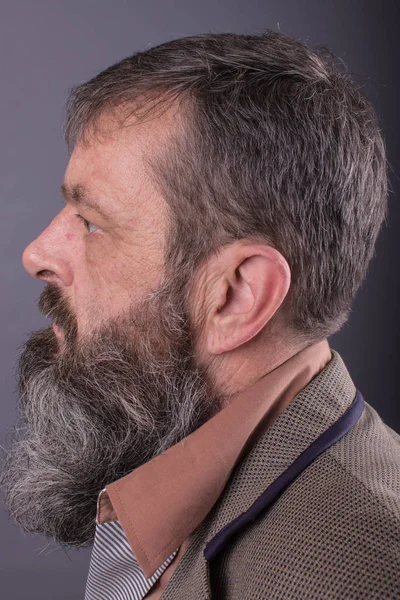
<point x="162" y="502"/>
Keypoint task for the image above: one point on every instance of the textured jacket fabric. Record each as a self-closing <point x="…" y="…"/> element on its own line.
<point x="153" y="510"/>
<point x="333" y="533"/>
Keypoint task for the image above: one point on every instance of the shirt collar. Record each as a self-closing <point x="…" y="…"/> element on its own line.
<point x="162" y="502"/>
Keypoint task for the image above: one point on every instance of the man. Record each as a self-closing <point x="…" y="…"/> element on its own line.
<point x="184" y="411"/>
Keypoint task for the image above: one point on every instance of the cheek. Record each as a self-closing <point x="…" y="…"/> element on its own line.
<point x="116" y="276"/>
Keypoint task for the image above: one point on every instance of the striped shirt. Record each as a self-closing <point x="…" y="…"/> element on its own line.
<point x="114" y="573"/>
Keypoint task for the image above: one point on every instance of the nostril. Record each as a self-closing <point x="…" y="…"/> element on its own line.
<point x="44" y="274"/>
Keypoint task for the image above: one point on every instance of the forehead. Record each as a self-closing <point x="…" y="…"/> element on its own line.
<point x="112" y="157"/>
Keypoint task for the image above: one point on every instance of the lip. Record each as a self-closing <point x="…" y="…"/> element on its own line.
<point x="59" y="332"/>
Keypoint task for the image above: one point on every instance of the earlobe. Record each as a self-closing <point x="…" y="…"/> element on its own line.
<point x="250" y="294"/>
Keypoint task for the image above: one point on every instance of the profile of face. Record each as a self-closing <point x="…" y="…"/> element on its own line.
<point x="114" y="381"/>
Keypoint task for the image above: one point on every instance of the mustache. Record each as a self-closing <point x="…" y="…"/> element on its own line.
<point x="53" y="305"/>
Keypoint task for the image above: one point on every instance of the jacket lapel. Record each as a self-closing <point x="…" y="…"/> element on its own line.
<point x="320" y="404"/>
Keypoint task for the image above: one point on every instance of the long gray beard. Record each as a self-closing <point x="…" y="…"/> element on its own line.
<point x="98" y="410"/>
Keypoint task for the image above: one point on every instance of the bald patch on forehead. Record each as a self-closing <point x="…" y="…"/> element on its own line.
<point x="153" y="125"/>
<point x="115" y="166"/>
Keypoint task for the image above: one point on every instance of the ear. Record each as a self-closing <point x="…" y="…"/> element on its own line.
<point x="250" y="288"/>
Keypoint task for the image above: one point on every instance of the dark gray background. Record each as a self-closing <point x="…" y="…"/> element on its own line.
<point x="46" y="47"/>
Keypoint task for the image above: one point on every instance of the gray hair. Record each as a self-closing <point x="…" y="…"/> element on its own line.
<point x="278" y="144"/>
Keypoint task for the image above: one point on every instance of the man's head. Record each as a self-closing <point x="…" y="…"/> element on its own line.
<point x="223" y="198"/>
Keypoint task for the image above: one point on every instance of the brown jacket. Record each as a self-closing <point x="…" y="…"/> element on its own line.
<point x="334" y="532"/>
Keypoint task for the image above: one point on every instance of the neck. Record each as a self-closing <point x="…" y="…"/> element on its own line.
<point x="235" y="371"/>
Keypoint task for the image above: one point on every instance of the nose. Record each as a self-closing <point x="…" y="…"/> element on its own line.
<point x="45" y="258"/>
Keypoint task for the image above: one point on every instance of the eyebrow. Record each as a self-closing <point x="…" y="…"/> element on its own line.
<point x="79" y="195"/>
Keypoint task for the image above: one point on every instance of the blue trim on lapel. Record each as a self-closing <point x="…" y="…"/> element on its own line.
<point x="337" y="430"/>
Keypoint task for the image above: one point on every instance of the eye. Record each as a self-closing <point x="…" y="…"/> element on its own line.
<point x="90" y="227"/>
